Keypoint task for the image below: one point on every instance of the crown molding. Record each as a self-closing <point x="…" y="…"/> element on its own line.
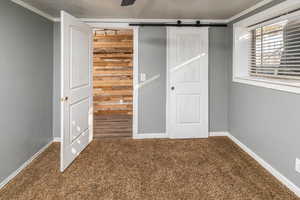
<point x="252" y="8"/>
<point x="134" y="20"/>
<point x="33" y="9"/>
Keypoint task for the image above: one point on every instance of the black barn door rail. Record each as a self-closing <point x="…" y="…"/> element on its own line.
<point x="180" y="24"/>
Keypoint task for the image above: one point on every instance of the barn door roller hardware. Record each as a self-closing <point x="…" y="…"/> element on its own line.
<point x="180" y="24"/>
<point x="127" y="2"/>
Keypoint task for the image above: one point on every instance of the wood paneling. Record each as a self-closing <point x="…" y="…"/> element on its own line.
<point x="110" y="126"/>
<point x="113" y="73"/>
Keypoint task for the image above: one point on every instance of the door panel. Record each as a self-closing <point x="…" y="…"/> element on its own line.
<point x="79" y="115"/>
<point x="79" y="47"/>
<point x="188" y="109"/>
<point x="77" y="110"/>
<point x="188" y="82"/>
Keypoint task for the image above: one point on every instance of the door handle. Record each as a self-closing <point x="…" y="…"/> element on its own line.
<point x="172" y="88"/>
<point x="64" y="99"/>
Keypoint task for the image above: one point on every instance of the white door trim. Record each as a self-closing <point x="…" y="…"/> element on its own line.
<point x="168" y="125"/>
<point x="135" y="81"/>
<point x="135" y="67"/>
<point x="168" y="85"/>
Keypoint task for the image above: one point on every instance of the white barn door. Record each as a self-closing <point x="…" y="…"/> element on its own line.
<point x="188" y="82"/>
<point x="77" y="99"/>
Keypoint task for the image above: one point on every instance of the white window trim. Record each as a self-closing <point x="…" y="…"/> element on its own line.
<point x="276" y="84"/>
<point x="241" y="55"/>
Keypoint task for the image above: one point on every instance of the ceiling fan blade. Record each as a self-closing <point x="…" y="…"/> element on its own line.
<point x="127" y="2"/>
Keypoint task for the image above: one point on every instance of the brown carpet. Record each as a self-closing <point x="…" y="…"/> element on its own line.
<point x="125" y="169"/>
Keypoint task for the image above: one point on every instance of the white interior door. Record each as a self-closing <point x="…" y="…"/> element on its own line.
<point x="188" y="82"/>
<point x="77" y="110"/>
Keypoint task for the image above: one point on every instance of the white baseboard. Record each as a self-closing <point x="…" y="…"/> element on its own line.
<point x="164" y="135"/>
<point x="24" y="165"/>
<point x="217" y="134"/>
<point x="289" y="184"/>
<point x="56" y="139"/>
<point x="150" y="135"/>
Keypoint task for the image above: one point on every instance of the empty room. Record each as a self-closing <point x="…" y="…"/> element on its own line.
<point x="140" y="99"/>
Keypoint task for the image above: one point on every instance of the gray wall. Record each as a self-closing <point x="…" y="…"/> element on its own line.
<point x="218" y="79"/>
<point x="56" y="80"/>
<point x="267" y="121"/>
<point x="26" y="64"/>
<point x="152" y="97"/>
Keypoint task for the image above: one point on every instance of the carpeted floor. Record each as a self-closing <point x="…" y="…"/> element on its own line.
<point x="208" y="169"/>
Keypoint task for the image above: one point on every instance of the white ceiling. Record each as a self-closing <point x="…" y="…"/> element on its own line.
<point x="145" y="9"/>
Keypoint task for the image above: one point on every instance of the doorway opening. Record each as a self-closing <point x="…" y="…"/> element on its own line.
<point x="113" y="83"/>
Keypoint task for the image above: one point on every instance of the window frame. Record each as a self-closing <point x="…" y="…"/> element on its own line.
<point x="241" y="48"/>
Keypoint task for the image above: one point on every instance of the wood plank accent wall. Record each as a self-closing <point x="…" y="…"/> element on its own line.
<point x="113" y="72"/>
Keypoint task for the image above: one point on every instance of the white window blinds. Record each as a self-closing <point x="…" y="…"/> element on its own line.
<point x="275" y="50"/>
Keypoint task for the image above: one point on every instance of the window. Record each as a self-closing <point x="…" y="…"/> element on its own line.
<point x="266" y="48"/>
<point x="275" y="50"/>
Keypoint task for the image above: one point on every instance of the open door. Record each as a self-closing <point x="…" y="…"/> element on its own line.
<point x="76" y="89"/>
